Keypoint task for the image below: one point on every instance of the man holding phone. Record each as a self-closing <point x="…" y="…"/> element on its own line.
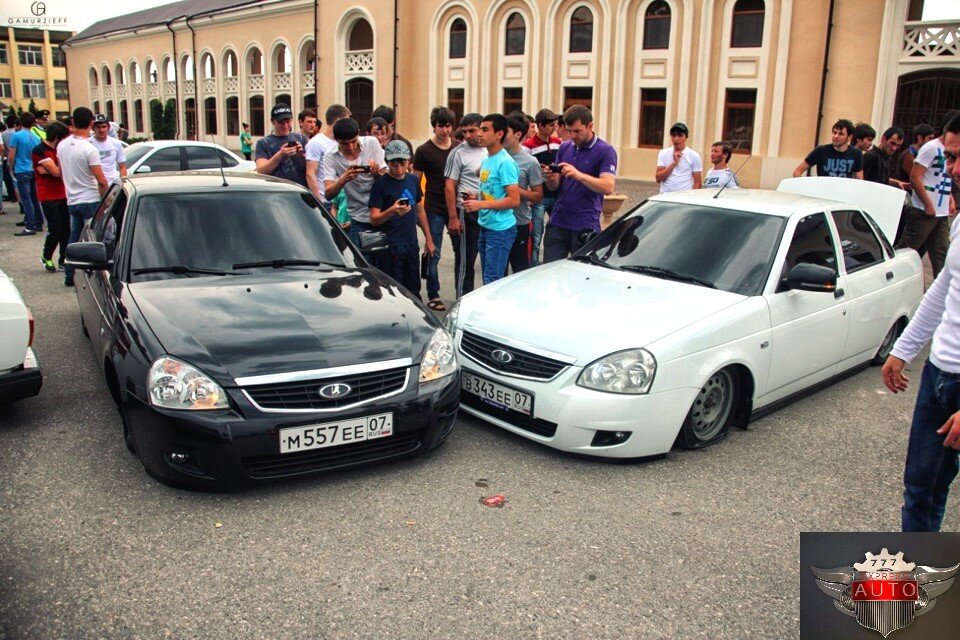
<point x="280" y="154"/>
<point x="353" y="167"/>
<point x="396" y="208"/>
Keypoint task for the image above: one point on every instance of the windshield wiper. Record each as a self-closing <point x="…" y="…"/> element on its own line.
<point x="670" y="274"/>
<point x="180" y="269"/>
<point x="280" y="263"/>
<point x="590" y="258"/>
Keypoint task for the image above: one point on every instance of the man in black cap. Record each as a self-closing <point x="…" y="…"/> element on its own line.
<point x="39" y="127"/>
<point x="280" y="154"/>
<point x="678" y="166"/>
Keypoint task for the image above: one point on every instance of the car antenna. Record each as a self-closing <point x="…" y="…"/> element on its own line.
<point x="222" y="174"/>
<point x="733" y="177"/>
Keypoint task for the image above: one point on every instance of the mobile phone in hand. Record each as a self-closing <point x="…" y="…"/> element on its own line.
<point x="555" y="168"/>
<point x="362" y="168"/>
<point x="403" y="202"/>
<point x="290" y="144"/>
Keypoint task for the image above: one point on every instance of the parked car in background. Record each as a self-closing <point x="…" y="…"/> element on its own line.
<point x="183" y="155"/>
<point x="244" y="338"/>
<point x="20" y="375"/>
<point x="688" y="315"/>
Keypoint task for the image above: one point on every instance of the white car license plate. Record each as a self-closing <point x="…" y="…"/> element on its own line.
<point x="331" y="434"/>
<point x="497" y="394"/>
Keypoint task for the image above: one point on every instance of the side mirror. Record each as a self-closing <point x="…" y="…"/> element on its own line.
<point x="88" y="255"/>
<point x="812" y="277"/>
<point x="144" y="168"/>
<point x="371" y="241"/>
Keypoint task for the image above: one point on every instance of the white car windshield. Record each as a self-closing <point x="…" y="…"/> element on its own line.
<point x="713" y="247"/>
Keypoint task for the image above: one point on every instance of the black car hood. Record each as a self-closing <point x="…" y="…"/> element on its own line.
<point x="284" y="320"/>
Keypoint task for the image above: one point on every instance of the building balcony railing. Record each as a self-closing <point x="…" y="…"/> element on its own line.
<point x="153" y="90"/>
<point x="359" y="62"/>
<point x="231" y="84"/>
<point x="170" y="87"/>
<point x="137" y="90"/>
<point x="189" y="87"/>
<point x="209" y="85"/>
<point x="307" y="80"/>
<point x="282" y="81"/>
<point x="255" y="83"/>
<point x="931" y="41"/>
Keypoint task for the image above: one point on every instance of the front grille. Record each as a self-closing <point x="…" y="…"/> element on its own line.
<point x="523" y="363"/>
<point x="275" y="466"/>
<point x="527" y="423"/>
<point x="304" y="396"/>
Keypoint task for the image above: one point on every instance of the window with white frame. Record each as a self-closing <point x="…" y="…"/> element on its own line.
<point x="3" y="53"/>
<point x="60" y="90"/>
<point x="30" y="55"/>
<point x="34" y="89"/>
<point x="6" y="88"/>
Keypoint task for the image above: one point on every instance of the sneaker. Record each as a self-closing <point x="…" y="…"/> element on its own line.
<point x="48" y="264"/>
<point x="22" y="223"/>
<point x="68" y="282"/>
<point x="26" y="232"/>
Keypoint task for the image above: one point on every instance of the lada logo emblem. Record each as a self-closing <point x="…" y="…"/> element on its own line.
<point x="501" y="356"/>
<point x="334" y="391"/>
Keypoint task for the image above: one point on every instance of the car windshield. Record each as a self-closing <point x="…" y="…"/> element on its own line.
<point x="708" y="246"/>
<point x="136" y="151"/>
<point x="215" y="231"/>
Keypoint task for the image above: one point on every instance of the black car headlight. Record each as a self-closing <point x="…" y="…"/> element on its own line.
<point x="438" y="360"/>
<point x="172" y="384"/>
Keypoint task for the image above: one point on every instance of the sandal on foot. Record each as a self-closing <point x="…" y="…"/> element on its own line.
<point x="436" y="305"/>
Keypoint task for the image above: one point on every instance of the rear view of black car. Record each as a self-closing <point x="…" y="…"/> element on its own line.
<point x="244" y="338"/>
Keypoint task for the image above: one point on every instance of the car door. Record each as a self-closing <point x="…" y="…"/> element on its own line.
<point x="808" y="328"/>
<point x="106" y="229"/>
<point x="200" y="157"/>
<point x="163" y="159"/>
<point x="868" y="274"/>
<point x="84" y="279"/>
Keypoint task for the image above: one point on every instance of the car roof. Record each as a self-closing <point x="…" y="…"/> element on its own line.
<point x="766" y="201"/>
<point x="178" y="143"/>
<point x="201" y="181"/>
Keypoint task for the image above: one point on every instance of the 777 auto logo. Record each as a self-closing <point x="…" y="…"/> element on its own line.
<point x="885" y="593"/>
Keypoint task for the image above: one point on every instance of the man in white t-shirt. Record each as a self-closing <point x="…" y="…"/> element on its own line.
<point x="82" y="175"/>
<point x="928" y="222"/>
<point x="720" y="176"/>
<point x="113" y="161"/>
<point x="679" y="168"/>
<point x="320" y="144"/>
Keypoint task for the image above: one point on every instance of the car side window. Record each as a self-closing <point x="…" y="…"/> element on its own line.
<point x="202" y="158"/>
<point x="104" y="207"/>
<point x="166" y="159"/>
<point x="857" y="240"/>
<point x="812" y="243"/>
<point x="228" y="160"/>
<point x="108" y="229"/>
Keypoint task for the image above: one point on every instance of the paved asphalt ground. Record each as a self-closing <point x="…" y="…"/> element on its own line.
<point x="698" y="545"/>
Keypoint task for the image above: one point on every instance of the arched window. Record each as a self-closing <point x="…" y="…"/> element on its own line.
<point x="135" y="74"/>
<point x="93" y="78"/>
<point x="210" y="115"/>
<point x="209" y="69"/>
<point x="120" y="75"/>
<point x="190" y="118"/>
<point x="188" y="68"/>
<point x="105" y="74"/>
<point x="360" y="98"/>
<point x="516" y="36"/>
<point x="581" y="31"/>
<point x="361" y="36"/>
<point x="230" y="65"/>
<point x="233" y="116"/>
<point x="110" y="114"/>
<point x="151" y="71"/>
<point x="138" y="115"/>
<point x="256" y="115"/>
<point x="747" y="25"/>
<point x="281" y="59"/>
<point x="309" y="57"/>
<point x="458" y="39"/>
<point x="656" y="26"/>
<point x="169" y="70"/>
<point x="255" y="65"/>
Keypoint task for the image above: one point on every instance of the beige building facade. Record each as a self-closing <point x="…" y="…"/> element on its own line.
<point x="749" y="71"/>
<point x="32" y="66"/>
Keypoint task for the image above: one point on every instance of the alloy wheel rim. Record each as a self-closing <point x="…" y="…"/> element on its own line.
<point x="712" y="406"/>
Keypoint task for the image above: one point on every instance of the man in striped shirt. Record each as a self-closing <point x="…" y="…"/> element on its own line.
<point x="543" y="145"/>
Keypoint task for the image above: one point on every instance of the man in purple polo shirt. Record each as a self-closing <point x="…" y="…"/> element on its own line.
<point x="587" y="172"/>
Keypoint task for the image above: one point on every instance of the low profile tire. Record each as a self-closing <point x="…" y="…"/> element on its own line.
<point x="712" y="411"/>
<point x="83" y="327"/>
<point x="127" y="436"/>
<point x="888" y="341"/>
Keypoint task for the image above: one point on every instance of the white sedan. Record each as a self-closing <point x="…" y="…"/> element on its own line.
<point x="689" y="315"/>
<point x="182" y="155"/>
<point x="20" y="375"/>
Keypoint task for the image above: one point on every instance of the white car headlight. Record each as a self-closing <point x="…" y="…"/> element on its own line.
<point x="177" y="385"/>
<point x="439" y="359"/>
<point x="628" y="371"/>
<point x="450" y="320"/>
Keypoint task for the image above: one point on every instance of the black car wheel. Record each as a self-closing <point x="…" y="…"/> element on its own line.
<point x="709" y="418"/>
<point x="888" y="341"/>
<point x="127" y="436"/>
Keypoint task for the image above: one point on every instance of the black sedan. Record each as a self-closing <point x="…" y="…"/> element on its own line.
<point x="244" y="338"/>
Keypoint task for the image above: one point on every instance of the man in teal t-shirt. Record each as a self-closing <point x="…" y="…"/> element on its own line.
<point x="499" y="196"/>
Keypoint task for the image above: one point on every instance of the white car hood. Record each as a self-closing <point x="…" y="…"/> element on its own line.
<point x="584" y="311"/>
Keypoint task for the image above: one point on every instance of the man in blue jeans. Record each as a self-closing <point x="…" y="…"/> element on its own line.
<point x="934" y="445"/>
<point x="83" y="178"/>
<point x="499" y="196"/>
<point x="22" y="144"/>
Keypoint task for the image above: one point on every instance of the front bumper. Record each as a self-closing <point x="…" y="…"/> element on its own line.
<point x="23" y="382"/>
<point x="574" y="415"/>
<point x="240" y="446"/>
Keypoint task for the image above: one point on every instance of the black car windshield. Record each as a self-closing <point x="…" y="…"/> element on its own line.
<point x="707" y="246"/>
<point x="215" y="231"/>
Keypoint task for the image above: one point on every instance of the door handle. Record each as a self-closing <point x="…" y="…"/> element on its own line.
<point x="889" y="275"/>
<point x="839" y="293"/>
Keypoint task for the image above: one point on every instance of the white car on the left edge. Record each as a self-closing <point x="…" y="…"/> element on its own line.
<point x="183" y="155"/>
<point x="688" y="315"/>
<point x="19" y="371"/>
